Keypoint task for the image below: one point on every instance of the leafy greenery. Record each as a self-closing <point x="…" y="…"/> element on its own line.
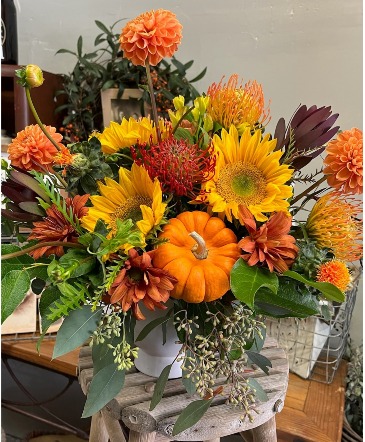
<point x="105" y="68"/>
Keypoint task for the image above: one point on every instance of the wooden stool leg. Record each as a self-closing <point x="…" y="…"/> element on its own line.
<point x="135" y="436"/>
<point x="265" y="432"/>
<point x="113" y="428"/>
<point x="247" y="435"/>
<point x="98" y="431"/>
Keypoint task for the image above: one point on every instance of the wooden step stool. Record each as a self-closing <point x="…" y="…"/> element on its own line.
<point x="131" y="407"/>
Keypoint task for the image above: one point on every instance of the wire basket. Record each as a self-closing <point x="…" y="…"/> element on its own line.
<point x="313" y="345"/>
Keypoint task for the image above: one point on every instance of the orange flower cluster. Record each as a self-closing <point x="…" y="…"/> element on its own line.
<point x="232" y="103"/>
<point x="140" y="281"/>
<point x="55" y="227"/>
<point x="270" y="243"/>
<point x="336" y="273"/>
<point x="151" y="37"/>
<point x="32" y="150"/>
<point x="344" y="162"/>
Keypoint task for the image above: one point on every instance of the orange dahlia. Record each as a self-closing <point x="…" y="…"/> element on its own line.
<point x="140" y="281"/>
<point x="344" y="162"/>
<point x="232" y="103"/>
<point x="269" y="243"/>
<point x="32" y="150"/>
<point x="336" y="273"/>
<point x="151" y="36"/>
<point x="55" y="227"/>
<point x="333" y="223"/>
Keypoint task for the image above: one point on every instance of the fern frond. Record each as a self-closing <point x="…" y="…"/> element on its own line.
<point x="72" y="298"/>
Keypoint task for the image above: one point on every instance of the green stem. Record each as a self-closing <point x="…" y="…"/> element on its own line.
<point x="38" y="120"/>
<point x="305" y="192"/>
<point x="182" y="118"/>
<point x="42" y="244"/>
<point x="153" y="100"/>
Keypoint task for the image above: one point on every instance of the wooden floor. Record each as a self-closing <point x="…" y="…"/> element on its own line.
<point x="313" y="411"/>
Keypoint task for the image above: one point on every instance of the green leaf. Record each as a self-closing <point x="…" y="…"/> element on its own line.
<point x="328" y="290"/>
<point x="79" y="46"/>
<point x="81" y="261"/>
<point x="160" y="386"/>
<point x="287" y="302"/>
<point x="49" y="296"/>
<point x="260" y="360"/>
<point x="258" y="390"/>
<point x="102" y="355"/>
<point x="65" y="51"/>
<point x="247" y="280"/>
<point x="76" y="329"/>
<point x="17" y="263"/>
<point x="191" y="415"/>
<point x="184" y="134"/>
<point x="257" y="342"/>
<point x="200" y="76"/>
<point x="14" y="287"/>
<point x="153" y="324"/>
<point x="106" y="384"/>
<point x="101" y="26"/>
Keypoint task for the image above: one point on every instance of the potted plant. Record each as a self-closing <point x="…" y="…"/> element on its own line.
<point x="105" y="68"/>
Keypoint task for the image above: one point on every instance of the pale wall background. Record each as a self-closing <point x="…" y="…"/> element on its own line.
<point x="302" y="51"/>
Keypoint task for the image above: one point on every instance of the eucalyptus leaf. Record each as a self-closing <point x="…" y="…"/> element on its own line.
<point x="153" y="324"/>
<point x="14" y="287"/>
<point x="247" y="280"/>
<point x="258" y="390"/>
<point x="102" y="355"/>
<point x="191" y="415"/>
<point x="76" y="329"/>
<point x="260" y="360"/>
<point x="328" y="290"/>
<point x="160" y="386"/>
<point x="105" y="385"/>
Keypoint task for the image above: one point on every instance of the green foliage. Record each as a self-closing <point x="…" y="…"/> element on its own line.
<point x="247" y="280"/>
<point x="87" y="168"/>
<point x="14" y="287"/>
<point x="160" y="386"/>
<point x="191" y="415"/>
<point x="309" y="258"/>
<point x="105" y="68"/>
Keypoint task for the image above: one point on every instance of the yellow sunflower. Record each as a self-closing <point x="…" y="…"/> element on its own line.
<point x="135" y="197"/>
<point x="247" y="173"/>
<point x="129" y="132"/>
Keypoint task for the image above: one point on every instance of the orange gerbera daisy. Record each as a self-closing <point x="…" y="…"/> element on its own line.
<point x="140" y="281"/>
<point x="55" y="227"/>
<point x="269" y="243"/>
<point x="151" y="36"/>
<point x="344" y="162"/>
<point x="32" y="150"/>
<point x="335" y="272"/>
<point x="231" y="103"/>
<point x="333" y="224"/>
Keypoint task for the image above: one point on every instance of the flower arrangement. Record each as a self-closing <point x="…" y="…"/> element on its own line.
<point x="195" y="214"/>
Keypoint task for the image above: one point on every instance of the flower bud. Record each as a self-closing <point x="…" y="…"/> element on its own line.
<point x="30" y="76"/>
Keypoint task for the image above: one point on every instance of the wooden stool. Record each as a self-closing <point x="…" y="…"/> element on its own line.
<point x="131" y="406"/>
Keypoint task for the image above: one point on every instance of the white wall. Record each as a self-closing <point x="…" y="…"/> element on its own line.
<point x="302" y="51"/>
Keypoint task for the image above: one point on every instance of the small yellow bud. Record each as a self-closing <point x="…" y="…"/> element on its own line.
<point x="33" y="75"/>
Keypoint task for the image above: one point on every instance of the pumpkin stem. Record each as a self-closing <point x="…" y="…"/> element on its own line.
<point x="199" y="249"/>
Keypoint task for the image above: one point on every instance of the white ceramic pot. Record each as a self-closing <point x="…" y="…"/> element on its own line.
<point x="153" y="355"/>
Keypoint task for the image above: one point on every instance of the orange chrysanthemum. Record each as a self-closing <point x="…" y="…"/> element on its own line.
<point x="333" y="223"/>
<point x="55" y="227"/>
<point x="151" y="37"/>
<point x="269" y="243"/>
<point x="140" y="281"/>
<point x="32" y="150"/>
<point x="344" y="162"/>
<point x="336" y="273"/>
<point x="231" y="103"/>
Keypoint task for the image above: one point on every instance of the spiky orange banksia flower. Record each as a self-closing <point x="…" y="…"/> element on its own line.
<point x="333" y="224"/>
<point x="233" y="103"/>
<point x="32" y="150"/>
<point x="140" y="281"/>
<point x="151" y="36"/>
<point x="336" y="273"/>
<point x="344" y="162"/>
<point x="269" y="243"/>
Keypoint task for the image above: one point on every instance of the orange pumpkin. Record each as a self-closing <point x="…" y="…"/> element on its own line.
<point x="200" y="253"/>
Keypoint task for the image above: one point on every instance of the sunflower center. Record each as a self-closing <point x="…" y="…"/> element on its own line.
<point x="131" y="209"/>
<point x="242" y="183"/>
